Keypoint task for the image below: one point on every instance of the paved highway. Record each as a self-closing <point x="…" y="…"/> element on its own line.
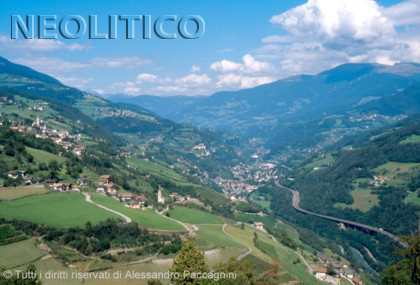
<point x="295" y="204"/>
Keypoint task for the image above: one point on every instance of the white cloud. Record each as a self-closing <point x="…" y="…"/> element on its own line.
<point x="249" y="65"/>
<point x="77" y="82"/>
<point x="195" y="68"/>
<point x="404" y="13"/>
<point x="249" y="82"/>
<point x="193" y="84"/>
<point x="125" y="62"/>
<point x="146" y="77"/>
<point x="225" y="66"/>
<point x="229" y="80"/>
<point x="99" y="91"/>
<point x="196" y="79"/>
<point x="277" y="39"/>
<point x="337" y="22"/>
<point x="232" y="80"/>
<point x="132" y="91"/>
<point x="170" y="89"/>
<point x="327" y="33"/>
<point x="51" y="65"/>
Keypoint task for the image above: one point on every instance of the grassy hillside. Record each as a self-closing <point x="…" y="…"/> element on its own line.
<point x="193" y="216"/>
<point x="57" y="209"/>
<point x="19" y="253"/>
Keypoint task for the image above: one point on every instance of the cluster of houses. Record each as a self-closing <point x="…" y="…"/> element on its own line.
<point x="63" y="138"/>
<point x="131" y="200"/>
<point x="21" y="174"/>
<point x="340" y="268"/>
<point x="200" y="150"/>
<point x="104" y="186"/>
<point x="378" y="180"/>
<point x="39" y="127"/>
<point x="179" y="199"/>
<point x="5" y="100"/>
<point x="118" y="113"/>
<point x="56" y="186"/>
<point x="234" y="186"/>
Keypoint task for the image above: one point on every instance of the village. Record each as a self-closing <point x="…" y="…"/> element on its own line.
<point x="332" y="271"/>
<point x="40" y="128"/>
<point x="246" y="179"/>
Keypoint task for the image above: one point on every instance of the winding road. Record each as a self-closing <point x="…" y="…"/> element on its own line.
<point x="166" y="217"/>
<point x="295" y="204"/>
<point x="89" y="200"/>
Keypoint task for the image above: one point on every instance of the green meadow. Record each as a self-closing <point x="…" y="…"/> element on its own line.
<point x="43" y="156"/>
<point x="19" y="253"/>
<point x="55" y="209"/>
<point x="193" y="216"/>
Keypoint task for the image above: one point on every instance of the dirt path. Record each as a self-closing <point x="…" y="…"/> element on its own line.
<point x="89" y="200"/>
<point x="243" y="255"/>
<point x="179" y="222"/>
<point x="295" y="252"/>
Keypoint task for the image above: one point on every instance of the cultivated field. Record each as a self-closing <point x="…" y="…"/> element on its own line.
<point x="56" y="209"/>
<point x="155" y="168"/>
<point x="398" y="173"/>
<point x="19" y="253"/>
<point x="411" y="139"/>
<point x="193" y="216"/>
<point x="214" y="235"/>
<point x="363" y="198"/>
<point x="11" y="193"/>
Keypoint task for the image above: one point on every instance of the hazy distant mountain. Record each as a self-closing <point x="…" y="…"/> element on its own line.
<point x="261" y="110"/>
<point x="266" y="110"/>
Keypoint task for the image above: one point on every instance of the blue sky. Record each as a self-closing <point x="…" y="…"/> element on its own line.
<point x="246" y="43"/>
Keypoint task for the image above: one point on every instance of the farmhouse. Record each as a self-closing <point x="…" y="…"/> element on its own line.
<point x="112" y="192"/>
<point x="74" y="189"/>
<point x="320" y="273"/>
<point x="58" y="187"/>
<point x="105" y="178"/>
<point x="79" y="150"/>
<point x="29" y="180"/>
<point x="200" y="146"/>
<point x="126" y="197"/>
<point x="322" y="257"/>
<point x="100" y="189"/>
<point x="259" y="226"/>
<point x="133" y="203"/>
<point x="15" y="174"/>
<point x="174" y="196"/>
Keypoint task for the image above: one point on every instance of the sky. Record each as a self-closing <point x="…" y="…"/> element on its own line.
<point x="246" y="42"/>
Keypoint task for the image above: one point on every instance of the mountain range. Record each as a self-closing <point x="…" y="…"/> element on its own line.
<point x="301" y="111"/>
